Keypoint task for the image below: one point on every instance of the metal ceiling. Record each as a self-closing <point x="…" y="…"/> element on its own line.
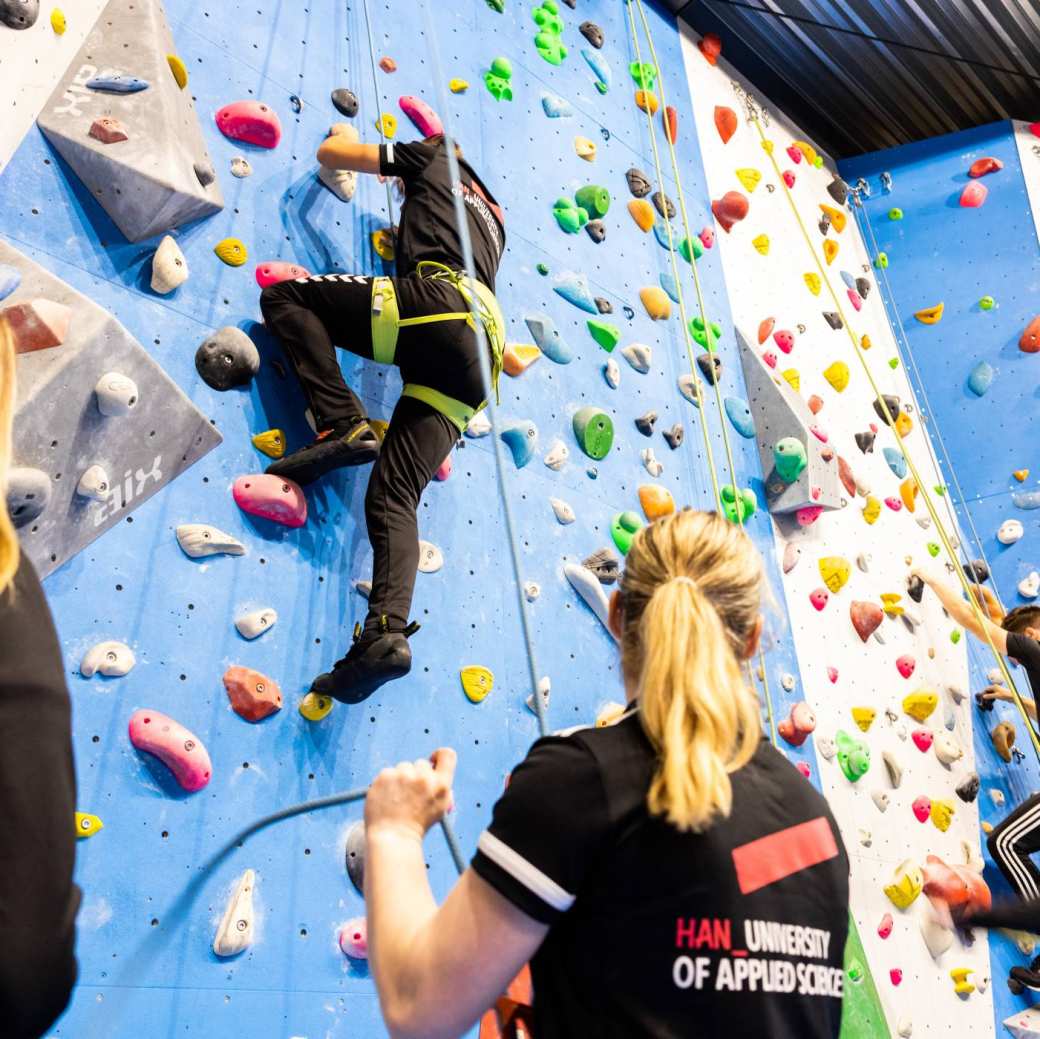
<point x="855" y="94"/>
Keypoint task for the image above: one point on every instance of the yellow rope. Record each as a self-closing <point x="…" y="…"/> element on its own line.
<point x="890" y="421"/>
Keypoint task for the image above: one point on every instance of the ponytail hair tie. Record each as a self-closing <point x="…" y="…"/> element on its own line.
<point x="683" y="579"/>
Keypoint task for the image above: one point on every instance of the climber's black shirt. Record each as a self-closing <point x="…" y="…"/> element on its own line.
<point x="736" y="932"/>
<point x="1027" y="652"/>
<point x="427" y="229"/>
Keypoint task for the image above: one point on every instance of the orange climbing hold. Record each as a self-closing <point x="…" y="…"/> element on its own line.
<point x="656" y="301"/>
<point x="930" y="315"/>
<point x="908" y="489"/>
<point x="710" y="46"/>
<point x="670" y="121"/>
<point x="657" y="501"/>
<point x="837" y="217"/>
<point x="1021" y="475"/>
<point x="865" y="343"/>
<point x="725" y="122"/>
<point x="647" y="101"/>
<point x="765" y="329"/>
<point x="904" y="424"/>
<point x="1030" y="341"/>
<point x="642" y="213"/>
<point x="830" y="250"/>
<point x="518" y="357"/>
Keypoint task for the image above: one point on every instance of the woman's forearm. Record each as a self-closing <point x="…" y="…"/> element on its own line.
<point x="963" y="615"/>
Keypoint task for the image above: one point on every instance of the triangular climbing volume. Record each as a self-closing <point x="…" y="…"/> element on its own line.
<point x="139" y="151"/>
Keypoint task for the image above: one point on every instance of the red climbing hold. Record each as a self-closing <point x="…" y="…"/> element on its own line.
<point x="905" y="665"/>
<point x="922" y="739"/>
<point x="770" y="358"/>
<point x="784" y="339"/>
<point x="794" y="153"/>
<point x="885" y="927"/>
<point x="1030" y="341"/>
<point x="980" y="167"/>
<point x="250" y="121"/>
<point x="1034" y="129"/>
<point x="788" y="176"/>
<point x="815" y="404"/>
<point x="820" y="434"/>
<point x="845" y="475"/>
<point x="832" y="674"/>
<point x="731" y="208"/>
<point x="894" y="504"/>
<point x="725" y="122"/>
<point x="443" y="470"/>
<point x="974" y="194"/>
<point x="274" y="271"/>
<point x="922" y="807"/>
<point x="253" y="696"/>
<point x="795" y="729"/>
<point x="426" y="120"/>
<point x="819" y="598"/>
<point x="895" y="975"/>
<point x="765" y="329"/>
<point x="866" y="618"/>
<point x="670" y="121"/>
<point x="710" y="45"/>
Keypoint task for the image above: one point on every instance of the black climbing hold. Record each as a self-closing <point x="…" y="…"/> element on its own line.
<point x="833" y="319"/>
<point x="19" y="14"/>
<point x="863" y="287"/>
<point x="711" y="367"/>
<point x="838" y="190"/>
<point x="604" y="133"/>
<point x="638" y="182"/>
<point x="915" y="588"/>
<point x="295" y="104"/>
<point x="346" y="102"/>
<point x="629" y="312"/>
<point x="604" y="306"/>
<point x="663" y="204"/>
<point x="205" y="172"/>
<point x="645" y="423"/>
<point x="593" y="33"/>
<point x="604" y="564"/>
<point x="865" y="441"/>
<point x="354" y="855"/>
<point x="674" y="435"/>
<point x="982" y="703"/>
<point x="570" y="3"/>
<point x="976" y="571"/>
<point x="891" y="402"/>
<point x="597" y="230"/>
<point x="969" y="789"/>
<point x="825" y="224"/>
<point x="227" y="358"/>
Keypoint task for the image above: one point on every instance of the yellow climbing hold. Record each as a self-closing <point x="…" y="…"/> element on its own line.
<point x="179" y="70"/>
<point x="904" y="423"/>
<point x="865" y="343"/>
<point x="837" y="375"/>
<point x="835" y="572"/>
<point x="86" y="824"/>
<point x="232" y="251"/>
<point x="920" y="705"/>
<point x="58" y="25"/>
<point x="761" y="243"/>
<point x="315" y="707"/>
<point x="767" y="146"/>
<point x="807" y="150"/>
<point x="837" y="217"/>
<point x="871" y="510"/>
<point x="830" y="250"/>
<point x="890" y="604"/>
<point x="476" y="682"/>
<point x="646" y="100"/>
<point x="813" y="282"/>
<point x="1021" y="475"/>
<point x="585" y="148"/>
<point x="906" y="885"/>
<point x="458" y="86"/>
<point x="271" y="442"/>
<point x="961" y="985"/>
<point x="518" y="357"/>
<point x="642" y="213"/>
<point x="608" y="714"/>
<point x="656" y="301"/>
<point x="386" y="124"/>
<point x="930" y="315"/>
<point x="864" y="717"/>
<point x="794" y="380"/>
<point x="383" y="243"/>
<point x="908" y="492"/>
<point x="749" y="178"/>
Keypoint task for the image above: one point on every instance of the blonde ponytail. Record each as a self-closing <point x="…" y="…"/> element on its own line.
<point x="8" y="537"/>
<point x="691" y="595"/>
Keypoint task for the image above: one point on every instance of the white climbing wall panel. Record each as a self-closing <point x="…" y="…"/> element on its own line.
<point x="1028" y="145"/>
<point x="771" y="284"/>
<point x="31" y="63"/>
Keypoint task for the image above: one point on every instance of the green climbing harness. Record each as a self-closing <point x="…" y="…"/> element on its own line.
<point x="387" y="322"/>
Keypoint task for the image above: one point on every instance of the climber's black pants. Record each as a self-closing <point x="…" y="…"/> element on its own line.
<point x="311" y="317"/>
<point x="1012" y="842"/>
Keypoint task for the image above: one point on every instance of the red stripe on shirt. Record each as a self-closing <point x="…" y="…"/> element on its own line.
<point x="781" y="854"/>
<point x="494" y="207"/>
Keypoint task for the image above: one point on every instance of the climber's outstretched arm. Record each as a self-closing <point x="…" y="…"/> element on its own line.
<point x="963" y="614"/>
<point x="339" y="153"/>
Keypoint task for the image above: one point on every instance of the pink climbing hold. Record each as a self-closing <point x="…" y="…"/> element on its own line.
<point x="788" y="176"/>
<point x="866" y="617"/>
<point x="974" y="194"/>
<point x="784" y="339"/>
<point x="181" y="751"/>
<point x="832" y="674"/>
<point x="274" y="271"/>
<point x="795" y="728"/>
<point x="855" y="299"/>
<point x="108" y="130"/>
<point x="353" y="938"/>
<point x="794" y="153"/>
<point x="905" y="665"/>
<point x="253" y="695"/>
<point x="38" y="324"/>
<point x="426" y="120"/>
<point x="922" y="739"/>
<point x="803" y="767"/>
<point x="808" y="515"/>
<point x="443" y="470"/>
<point x="894" y="504"/>
<point x="250" y="121"/>
<point x="817" y="493"/>
<point x="271" y="497"/>
<point x="922" y="807"/>
<point x="895" y="975"/>
<point x="707" y="237"/>
<point x="1034" y="129"/>
<point x="819" y="597"/>
<point x="884" y="928"/>
<point x="820" y="434"/>
<point x="770" y="358"/>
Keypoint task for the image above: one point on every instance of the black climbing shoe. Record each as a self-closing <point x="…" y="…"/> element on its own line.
<point x="1025" y="977"/>
<point x="335" y="448"/>
<point x="370" y="663"/>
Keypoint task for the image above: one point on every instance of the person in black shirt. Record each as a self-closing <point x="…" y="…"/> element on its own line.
<point x="669" y="875"/>
<point x="422" y="321"/>
<point x="38" y="899"/>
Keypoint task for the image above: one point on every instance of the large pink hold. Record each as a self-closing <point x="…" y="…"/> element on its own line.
<point x="271" y="497"/>
<point x="250" y="121"/>
<point x="181" y="751"/>
<point x="796" y="728"/>
<point x="353" y="938"/>
<point x="426" y="120"/>
<point x="37" y="325"/>
<point x="974" y="194"/>
<point x="808" y="515"/>
<point x="274" y="271"/>
<point x="443" y="470"/>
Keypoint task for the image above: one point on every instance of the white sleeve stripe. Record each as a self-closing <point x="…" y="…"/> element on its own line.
<point x="520" y="869"/>
<point x="389" y="153"/>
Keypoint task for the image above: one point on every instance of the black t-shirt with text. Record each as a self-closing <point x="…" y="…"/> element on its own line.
<point x="737" y="932"/>
<point x="427" y="229"/>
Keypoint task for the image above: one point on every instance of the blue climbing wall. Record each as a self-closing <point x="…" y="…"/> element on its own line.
<point x="941" y="251"/>
<point x="135" y="584"/>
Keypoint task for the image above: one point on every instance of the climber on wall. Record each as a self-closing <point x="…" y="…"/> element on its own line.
<point x="421" y="321"/>
<point x="667" y="872"/>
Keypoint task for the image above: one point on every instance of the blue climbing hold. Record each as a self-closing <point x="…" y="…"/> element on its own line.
<point x="575" y="289"/>
<point x="740" y="415"/>
<point x="556" y="107"/>
<point x="849" y="280"/>
<point x="669" y="286"/>
<point x="896" y="461"/>
<point x="548" y="339"/>
<point x="120" y="83"/>
<point x="1026" y="499"/>
<point x="661" y="227"/>
<point x="10" y="279"/>
<point x="599" y="65"/>
<point x="521" y="438"/>
<point x="981" y="378"/>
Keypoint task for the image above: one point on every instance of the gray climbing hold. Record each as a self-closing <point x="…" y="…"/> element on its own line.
<point x="650" y="463"/>
<point x="10" y="279"/>
<point x="1026" y="499"/>
<point x="354" y="855"/>
<point x="363" y="588"/>
<point x="94" y="484"/>
<point x="112" y="659"/>
<point x="674" y="436"/>
<point x="604" y="306"/>
<point x="981" y="378"/>
<point x="116" y="394"/>
<point x="977" y="571"/>
<point x="865" y="441"/>
<point x="838" y="190"/>
<point x="240" y="167"/>
<point x="557" y="456"/>
<point x="604" y="564"/>
<point x="833" y="318"/>
<point x="28" y="494"/>
<point x="19" y="14"/>
<point x="342" y="183"/>
<point x="204" y="172"/>
<point x="431" y="559"/>
<point x="915" y="587"/>
<point x="663" y="204"/>
<point x="587" y="585"/>
<point x="563" y="512"/>
<point x="548" y="339"/>
<point x="887" y="407"/>
<point x="169" y="267"/>
<point x="612" y="373"/>
<point x="253" y="624"/>
<point x="638" y="182"/>
<point x="201" y="539"/>
<point x="596" y="230"/>
<point x="880" y="799"/>
<point x="645" y="423"/>
<point x="710" y="366"/>
<point x="863" y="287"/>
<point x="688" y="387"/>
<point x="544" y="689"/>
<point x="787" y="682"/>
<point x="226" y="359"/>
<point x="345" y="102"/>
<point x="826" y="747"/>
<point x="593" y="33"/>
<point x="968" y="789"/>
<point x="639" y="356"/>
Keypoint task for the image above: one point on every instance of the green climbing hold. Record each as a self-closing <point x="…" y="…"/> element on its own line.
<point x="594" y="431"/>
<point x="594" y="200"/>
<point x="497" y="78"/>
<point x="940" y="489"/>
<point x="543" y="269"/>
<point x="855" y="971"/>
<point x="601" y="86"/>
<point x="550" y="26"/>
<point x="933" y="549"/>
<point x="691" y="245"/>
<point x="853" y="755"/>
<point x="570" y="217"/>
<point x="498" y="6"/>
<point x="790" y="459"/>
<point x="882" y="261"/>
<point x="893" y="363"/>
<point x="706" y="336"/>
<point x="987" y="303"/>
<point x="623" y="528"/>
<point x="955" y="636"/>
<point x="818" y="162"/>
<point x="737" y="508"/>
<point x="605" y="334"/>
<point x="644" y="74"/>
<point x="895" y="213"/>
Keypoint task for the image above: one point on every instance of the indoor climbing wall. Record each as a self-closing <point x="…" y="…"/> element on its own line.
<point x="884" y="677"/>
<point x="569" y="131"/>
<point x="977" y="386"/>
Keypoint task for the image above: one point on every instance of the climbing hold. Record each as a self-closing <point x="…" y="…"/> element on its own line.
<point x="830" y="250"/>
<point x="547" y="336"/>
<point x="116" y="83"/>
<point x="612" y="373"/>
<point x="227" y="358"/>
<point x="853" y="755"/>
<point x="275" y="271"/>
<point x="987" y="303"/>
<point x="710" y="45"/>
<point x="968" y="789"/>
<point x="761" y="244"/>
<point x="921" y="704"/>
<point x="670" y="122"/>
<point x="837" y="374"/>
<point x="737" y="507"/>
<point x="574" y="288"/>
<point x="865" y="617"/>
<point x="458" y="86"/>
<point x="564" y="513"/>
<point x="477" y="682"/>
<point x="871" y="510"/>
<point x="789" y="458"/>
<point x="819" y="598"/>
<point x="643" y="74"/>
<point x="813" y="283"/>
<point x="833" y="319"/>
<point x="1026" y="499"/>
<point x="111" y="659"/>
<point x="907" y="882"/>
<point x="623" y="528"/>
<point x="749" y="178"/>
<point x="838" y="190"/>
<point x="571" y="218"/>
<point x="550" y="27"/>
<point x="108" y="130"/>
<point x="688" y="386"/>
<point x="639" y="356"/>
<point x="961" y="985"/>
<point x="587" y="585"/>
<point x="673" y="436"/>
<point x="826" y="747"/>
<point x="94" y="484"/>
<point x="595" y="200"/>
<point x="663" y="204"/>
<point x="557" y="455"/>
<point x="353" y="939"/>
<point x="885" y="927"/>
<point x="730" y="209"/>
<point x="647" y="101"/>
<point x="725" y="122"/>
<point x="594" y="431"/>
<point x="1029" y="343"/>
<point x="788" y="178"/>
<point x="585" y="149"/>
<point x="497" y="78"/>
<point x="314" y="706"/>
<point x="387" y="64"/>
<point x="893" y="769"/>
<point x="116" y="394"/>
<point x="28" y="494"/>
<point x="386" y="124"/>
<point x="199" y="540"/>
<point x="604" y="564"/>
<point x="271" y="497"/>
<point x="922" y="808"/>
<point x="788" y="682"/>
<point x="556" y="107"/>
<point x="836" y="219"/>
<point x="593" y="33"/>
<point x="178" y="749"/>
<point x="974" y="194"/>
<point x="863" y="717"/>
<point x="345" y="101"/>
<point x="253" y="695"/>
<point x="169" y="267"/>
<point x="739" y="414"/>
<point x="232" y="251"/>
<point x="796" y="728"/>
<point x="518" y="357"/>
<point x="240" y="167"/>
<point x="703" y="335"/>
<point x="784" y="339"/>
<point x="604" y="333"/>
<point x="980" y="167"/>
<point x="521" y="438"/>
<point x="1003" y="737"/>
<point x="947" y="749"/>
<point x="1029" y="586"/>
<point x="425" y="119"/>
<point x="835" y="572"/>
<point x="532" y="590"/>
<point x="792" y="553"/>
<point x="1010" y="531"/>
<point x="980" y="378"/>
<point x="930" y="315"/>
<point x="38" y="324"/>
<point x="642" y="213"/>
<point x="881" y="801"/>
<point x="271" y="443"/>
<point x="235" y="932"/>
<point x="253" y="624"/>
<point x="250" y="121"/>
<point x="656" y="501"/>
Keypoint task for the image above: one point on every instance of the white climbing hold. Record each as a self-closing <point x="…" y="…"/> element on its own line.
<point x="787" y="681"/>
<point x="478" y="426"/>
<point x="544" y="688"/>
<point x="588" y="586"/>
<point x="200" y="540"/>
<point x="342" y="183"/>
<point x="792" y="553"/>
<point x="564" y="513"/>
<point x="905" y="1028"/>
<point x="532" y="589"/>
<point x="924" y="522"/>
<point x="363" y="588"/>
<point x="116" y="394"/>
<point x="240" y="167"/>
<point x="558" y="454"/>
<point x="937" y="937"/>
<point x="972" y="859"/>
<point x="1010" y="531"/>
<point x="639" y="356"/>
<point x="253" y="624"/>
<point x="652" y="465"/>
<point x="863" y="561"/>
<point x="688" y="387"/>
<point x="866" y="838"/>
<point x="947" y="749"/>
<point x="169" y="267"/>
<point x="431" y="559"/>
<point x="235" y="932"/>
<point x="612" y="373"/>
<point x="880" y="799"/>
<point x="112" y="659"/>
<point x="957" y="694"/>
<point x="994" y="676"/>
<point x="825" y="747"/>
<point x="893" y="768"/>
<point x="94" y="484"/>
<point x="1029" y="586"/>
<point x="911" y="618"/>
<point x="996" y="796"/>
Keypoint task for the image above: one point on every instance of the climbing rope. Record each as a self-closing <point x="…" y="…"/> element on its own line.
<point x="890" y="421"/>
<point x="379" y="108"/>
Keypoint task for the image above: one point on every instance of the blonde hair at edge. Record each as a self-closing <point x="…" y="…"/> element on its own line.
<point x="691" y="597"/>
<point x="8" y="538"/>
